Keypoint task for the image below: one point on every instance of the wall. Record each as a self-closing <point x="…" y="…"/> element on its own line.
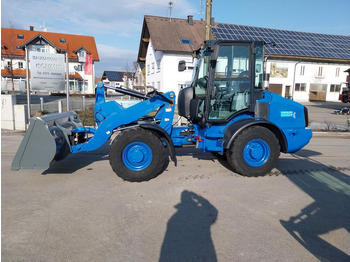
<point x="165" y="75"/>
<point x="311" y="74"/>
<point x="89" y="86"/>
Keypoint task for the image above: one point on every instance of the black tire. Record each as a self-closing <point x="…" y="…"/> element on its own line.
<point x="345" y="99"/>
<point x="219" y="156"/>
<point x="137" y="155"/>
<point x="254" y="152"/>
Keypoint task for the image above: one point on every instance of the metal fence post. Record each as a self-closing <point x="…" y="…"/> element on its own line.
<point x="84" y="102"/>
<point x="60" y="106"/>
<point x="41" y="103"/>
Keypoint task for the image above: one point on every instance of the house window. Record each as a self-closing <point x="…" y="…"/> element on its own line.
<point x="153" y="68"/>
<point x="320" y="71"/>
<point x="20" y="36"/>
<point x="148" y="69"/>
<point x="300" y="87"/>
<point x="82" y="53"/>
<point x="62" y="40"/>
<point x="302" y="70"/>
<point x="158" y="85"/>
<point x="335" y="88"/>
<point x="186" y="41"/>
<point x="78" y="68"/>
<point x="8" y="64"/>
<point x="158" y="66"/>
<point x="337" y="71"/>
<point x="20" y="65"/>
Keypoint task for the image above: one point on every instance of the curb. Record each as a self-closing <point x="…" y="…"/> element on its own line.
<point x="331" y="134"/>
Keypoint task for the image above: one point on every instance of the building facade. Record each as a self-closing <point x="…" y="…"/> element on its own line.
<point x="301" y="66"/>
<point x="312" y="81"/>
<point x="118" y="79"/>
<point x="164" y="42"/>
<point x="78" y="48"/>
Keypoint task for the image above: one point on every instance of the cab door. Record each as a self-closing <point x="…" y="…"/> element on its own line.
<point x="235" y="75"/>
<point x="231" y="81"/>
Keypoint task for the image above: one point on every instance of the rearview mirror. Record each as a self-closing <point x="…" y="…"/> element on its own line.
<point x="182" y="66"/>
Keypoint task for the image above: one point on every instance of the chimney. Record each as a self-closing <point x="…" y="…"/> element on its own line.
<point x="31" y="28"/>
<point x="190" y="19"/>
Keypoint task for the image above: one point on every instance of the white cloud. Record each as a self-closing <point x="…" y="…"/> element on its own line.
<point x="122" y="17"/>
<point x="114" y="59"/>
<point x="116" y="25"/>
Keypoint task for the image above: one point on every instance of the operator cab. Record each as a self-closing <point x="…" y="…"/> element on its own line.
<point x="227" y="80"/>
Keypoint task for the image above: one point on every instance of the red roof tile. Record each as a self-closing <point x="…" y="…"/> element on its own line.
<point x="16" y="72"/>
<point x="10" y="41"/>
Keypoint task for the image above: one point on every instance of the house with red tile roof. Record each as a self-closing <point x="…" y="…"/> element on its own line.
<point x="77" y="47"/>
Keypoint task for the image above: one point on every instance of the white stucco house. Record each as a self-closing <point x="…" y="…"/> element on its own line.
<point x="301" y="76"/>
<point x="165" y="42"/>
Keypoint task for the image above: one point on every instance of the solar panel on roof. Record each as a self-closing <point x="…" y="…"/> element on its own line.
<point x="289" y="42"/>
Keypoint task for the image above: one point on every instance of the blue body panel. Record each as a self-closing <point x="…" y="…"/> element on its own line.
<point x="286" y="115"/>
<point x="109" y="115"/>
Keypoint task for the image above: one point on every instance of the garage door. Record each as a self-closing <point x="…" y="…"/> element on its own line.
<point x="318" y="92"/>
<point x="276" y="88"/>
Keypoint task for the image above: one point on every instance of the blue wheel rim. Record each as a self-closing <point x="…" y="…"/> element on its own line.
<point x="256" y="152"/>
<point x="137" y="156"/>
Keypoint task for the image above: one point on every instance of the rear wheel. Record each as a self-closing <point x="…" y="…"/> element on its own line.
<point x="137" y="155"/>
<point x="254" y="152"/>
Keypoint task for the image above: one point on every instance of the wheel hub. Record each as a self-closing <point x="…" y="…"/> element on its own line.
<point x="137" y="156"/>
<point x="256" y="152"/>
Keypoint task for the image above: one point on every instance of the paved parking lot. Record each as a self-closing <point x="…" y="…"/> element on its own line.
<point x="79" y="210"/>
<point x="322" y="116"/>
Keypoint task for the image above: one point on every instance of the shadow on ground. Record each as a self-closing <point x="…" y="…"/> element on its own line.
<point x="188" y="236"/>
<point x="330" y="211"/>
<point x="74" y="162"/>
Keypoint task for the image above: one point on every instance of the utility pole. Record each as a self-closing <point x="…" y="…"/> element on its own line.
<point x="208" y="19"/>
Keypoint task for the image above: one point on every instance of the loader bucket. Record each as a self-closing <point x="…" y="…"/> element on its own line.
<point x="48" y="138"/>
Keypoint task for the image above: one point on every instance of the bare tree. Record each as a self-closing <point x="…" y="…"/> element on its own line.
<point x="10" y="55"/>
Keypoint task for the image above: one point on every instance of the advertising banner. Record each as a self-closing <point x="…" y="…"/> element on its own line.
<point x="279" y="70"/>
<point x="88" y="65"/>
<point x="47" y="71"/>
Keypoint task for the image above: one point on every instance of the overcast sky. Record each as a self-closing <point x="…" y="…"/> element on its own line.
<point x="116" y="24"/>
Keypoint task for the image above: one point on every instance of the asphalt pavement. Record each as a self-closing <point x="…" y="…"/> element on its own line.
<point x="79" y="210"/>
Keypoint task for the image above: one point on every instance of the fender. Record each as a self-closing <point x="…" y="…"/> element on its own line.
<point x="234" y="129"/>
<point x="160" y="132"/>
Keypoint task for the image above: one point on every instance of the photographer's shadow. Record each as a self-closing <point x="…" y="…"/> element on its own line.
<point x="188" y="236"/>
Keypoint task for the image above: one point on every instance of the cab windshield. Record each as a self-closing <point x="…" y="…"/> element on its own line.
<point x="200" y="77"/>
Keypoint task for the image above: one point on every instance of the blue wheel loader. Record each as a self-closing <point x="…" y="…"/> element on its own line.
<point x="228" y="111"/>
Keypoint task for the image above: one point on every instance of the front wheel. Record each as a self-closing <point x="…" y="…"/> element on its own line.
<point x="345" y="99"/>
<point x="137" y="155"/>
<point x="254" y="152"/>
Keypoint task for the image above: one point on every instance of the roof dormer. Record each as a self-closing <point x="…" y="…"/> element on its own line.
<point x="81" y="54"/>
